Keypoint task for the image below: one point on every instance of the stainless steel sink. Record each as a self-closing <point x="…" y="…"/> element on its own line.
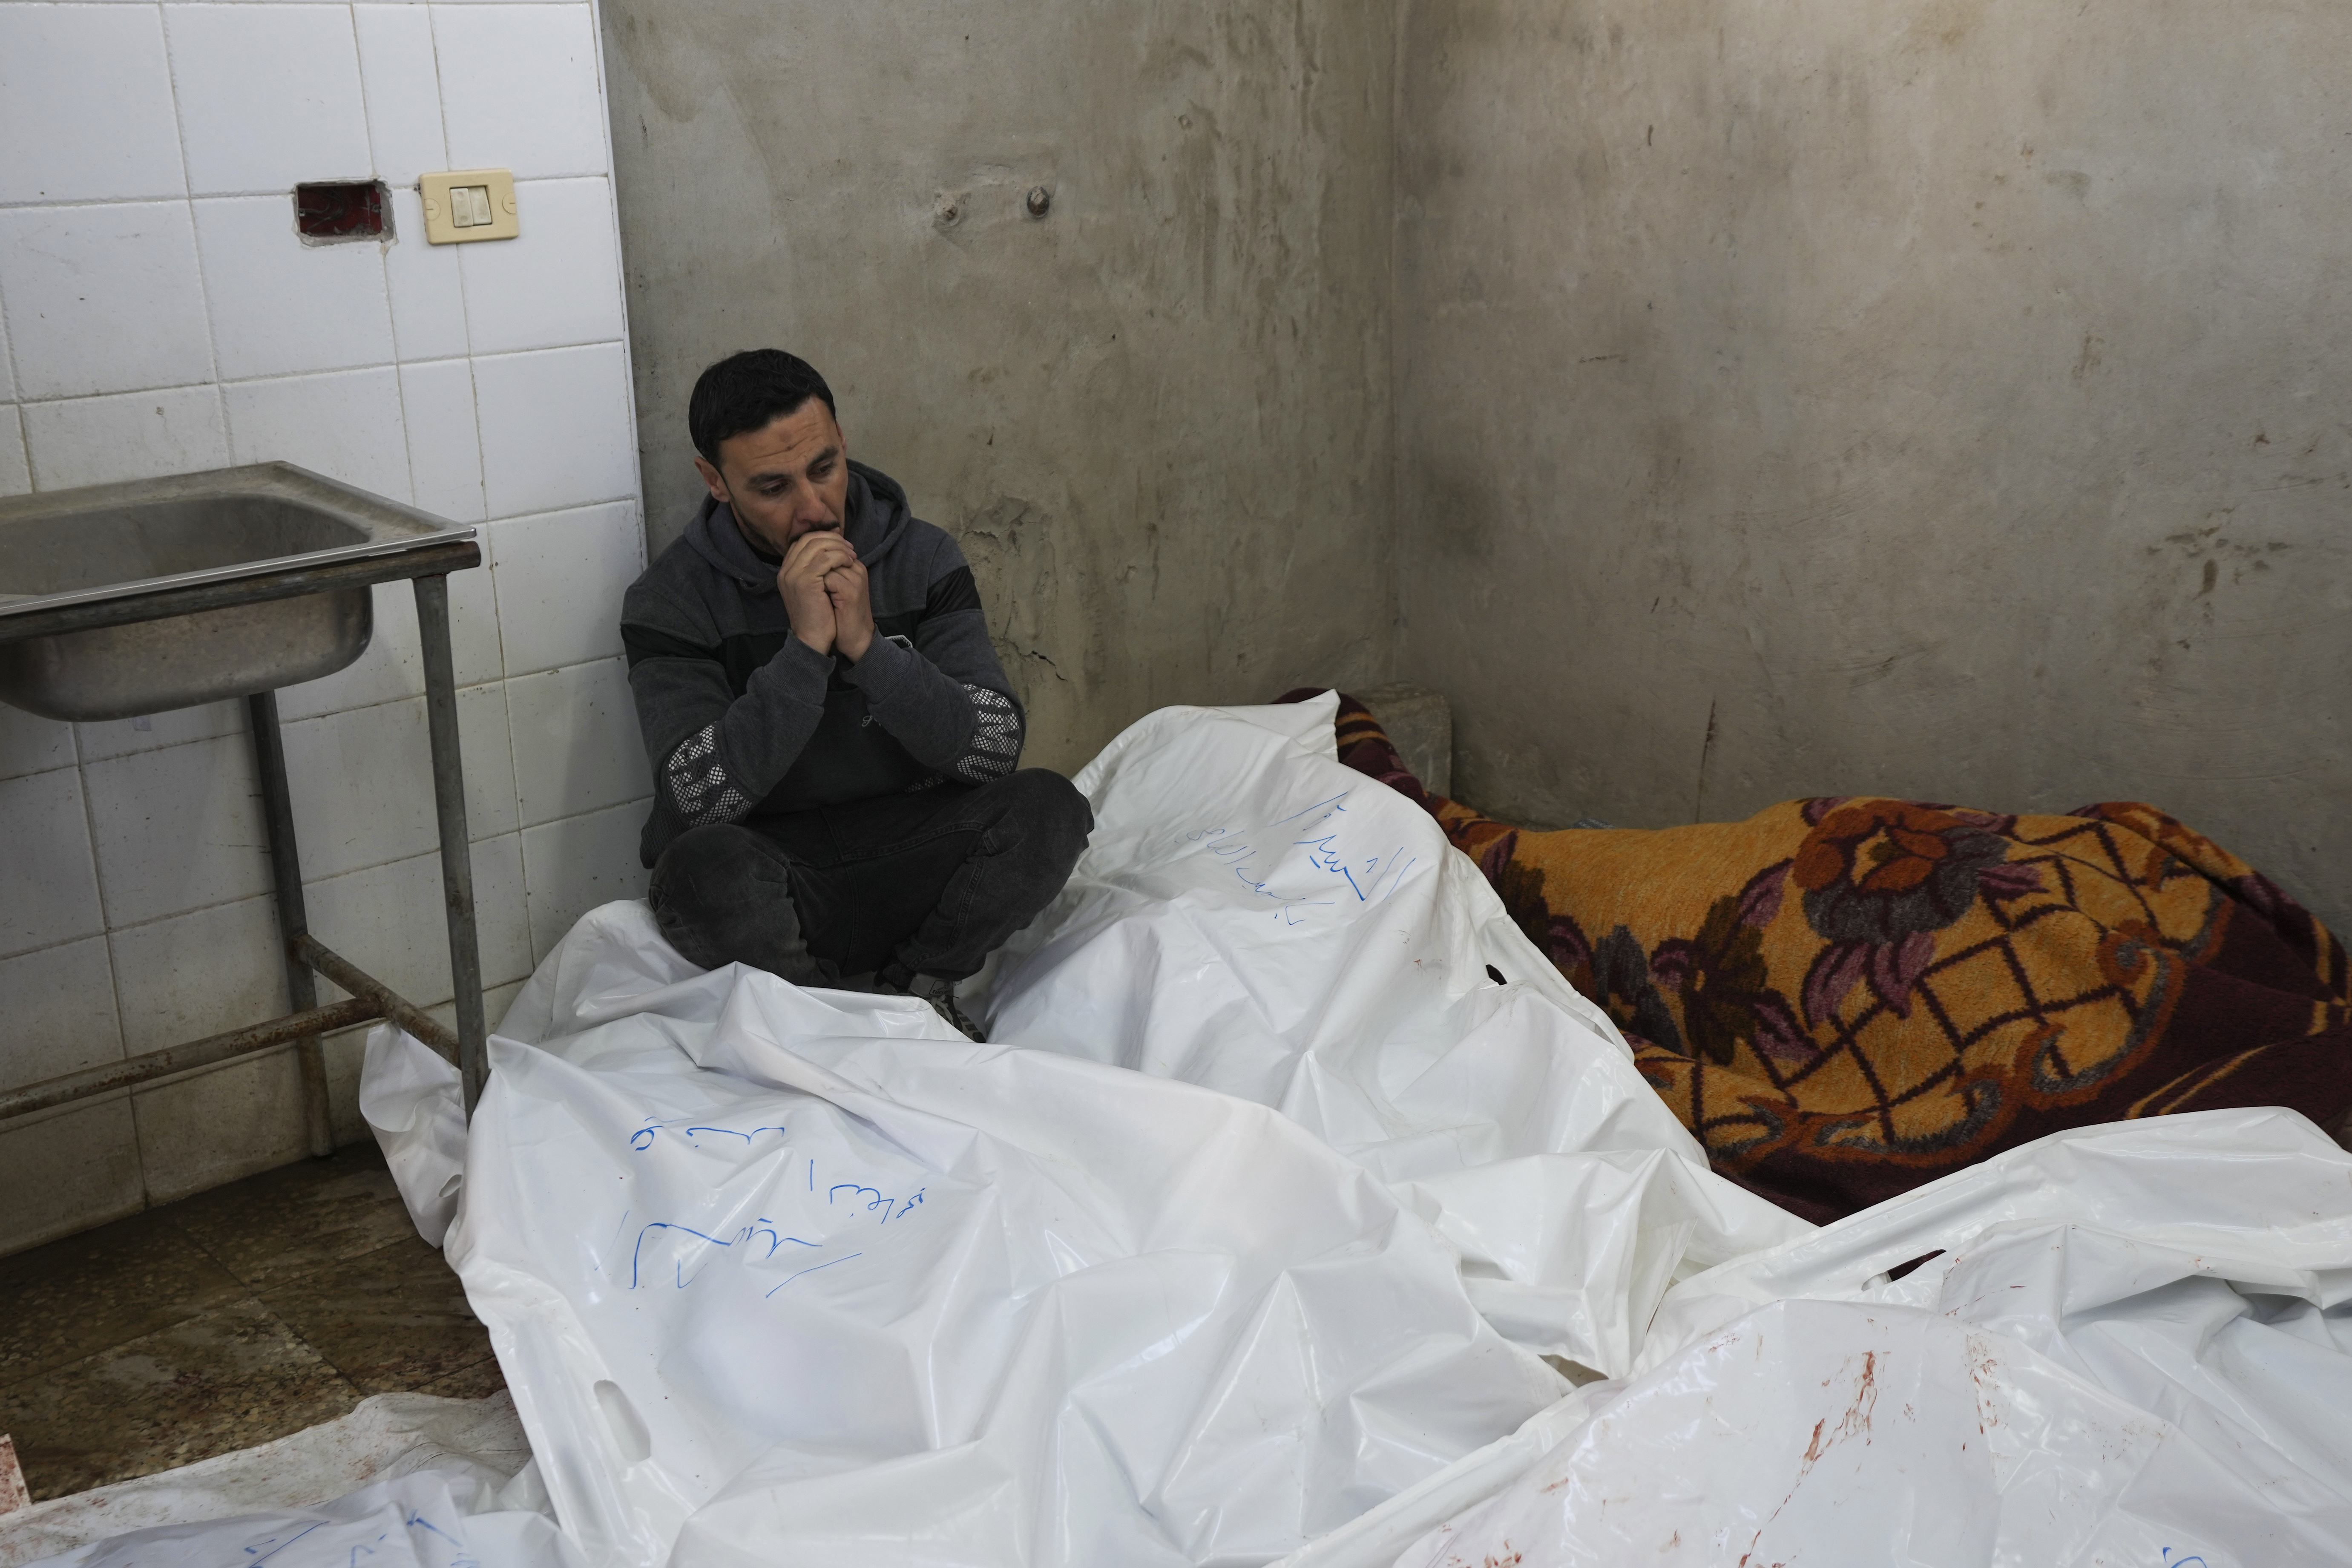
<point x="126" y="599"/>
<point x="257" y="534"/>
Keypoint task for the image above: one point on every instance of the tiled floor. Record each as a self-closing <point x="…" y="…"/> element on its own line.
<point x="226" y="1319"/>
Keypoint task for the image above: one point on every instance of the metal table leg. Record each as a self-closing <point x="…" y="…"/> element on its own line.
<point x="293" y="919"/>
<point x="426" y="568"/>
<point x="457" y="855"/>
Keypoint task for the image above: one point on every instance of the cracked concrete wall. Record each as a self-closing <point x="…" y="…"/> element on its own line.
<point x="1156" y="417"/>
<point x="1944" y="398"/>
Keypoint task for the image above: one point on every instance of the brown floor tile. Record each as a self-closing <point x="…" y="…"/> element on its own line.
<point x="269" y="1228"/>
<point x="478" y="1381"/>
<point x="74" y="1297"/>
<point x="395" y="1319"/>
<point x="225" y="1379"/>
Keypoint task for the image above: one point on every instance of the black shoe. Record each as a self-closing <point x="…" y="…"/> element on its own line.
<point x="940" y="995"/>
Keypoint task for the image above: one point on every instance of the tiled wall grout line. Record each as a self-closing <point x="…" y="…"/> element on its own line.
<point x="394" y="364"/>
<point x="23" y="442"/>
<point x="73" y="764"/>
<point x="514" y="763"/>
<point x="60" y="1112"/>
<point x="16" y="376"/>
<point x="514" y="754"/>
<point x="441" y="101"/>
<point x="256" y="193"/>
<point x="383" y="248"/>
<point x="171" y="79"/>
<point x="155" y="1084"/>
<point x="95" y="396"/>
<point x="548" y="349"/>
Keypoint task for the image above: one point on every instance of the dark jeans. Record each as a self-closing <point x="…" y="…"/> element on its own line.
<point x="925" y="883"/>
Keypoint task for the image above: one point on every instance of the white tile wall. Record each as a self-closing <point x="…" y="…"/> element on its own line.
<point x="577" y="863"/>
<point x="121" y="737"/>
<point x="487" y="745"/>
<point x="60" y="1004"/>
<point x="71" y="1168"/>
<point x="86" y="65"/>
<point x="562" y="766"/>
<point x="396" y="909"/>
<point x="15" y="474"/>
<point x="52" y="880"/>
<point x="444" y="442"/>
<point x="32" y="744"/>
<point x="269" y="95"/>
<point x="428" y="305"/>
<point x="558" y="579"/>
<point x="402" y="88"/>
<point x="279" y="306"/>
<point x="473" y="625"/>
<point x="207" y="1128"/>
<point x="189" y="975"/>
<point x="158" y="314"/>
<point x="102" y="299"/>
<point x="556" y="428"/>
<point x="346" y="425"/>
<point x="177" y="828"/>
<point x="517" y="298"/>
<point x="130" y="435"/>
<point x="542" y="122"/>
<point x="368" y="796"/>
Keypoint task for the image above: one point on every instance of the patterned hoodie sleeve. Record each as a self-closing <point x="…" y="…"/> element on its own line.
<point x="942" y="694"/>
<point x="994" y="748"/>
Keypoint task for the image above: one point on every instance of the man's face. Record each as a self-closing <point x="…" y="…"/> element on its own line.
<point x="788" y="478"/>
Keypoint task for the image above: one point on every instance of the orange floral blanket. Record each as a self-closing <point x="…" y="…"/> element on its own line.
<point x="1846" y="998"/>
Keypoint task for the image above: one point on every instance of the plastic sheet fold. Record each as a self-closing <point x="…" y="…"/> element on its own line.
<point x="385" y="1436"/>
<point x="1238" y="1244"/>
<point x="1303" y="937"/>
<point x="777" y="1275"/>
<point x="427" y="1518"/>
<point x="2122" y="1343"/>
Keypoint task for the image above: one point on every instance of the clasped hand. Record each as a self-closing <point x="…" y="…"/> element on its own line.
<point x="823" y="586"/>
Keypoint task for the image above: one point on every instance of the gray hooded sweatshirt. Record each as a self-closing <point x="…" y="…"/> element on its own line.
<point x="742" y="719"/>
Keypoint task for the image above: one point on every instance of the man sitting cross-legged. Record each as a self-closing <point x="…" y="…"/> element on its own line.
<point x="832" y="736"/>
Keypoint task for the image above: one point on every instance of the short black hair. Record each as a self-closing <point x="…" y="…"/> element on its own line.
<point x="747" y="391"/>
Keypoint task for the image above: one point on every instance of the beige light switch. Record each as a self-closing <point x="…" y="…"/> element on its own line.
<point x="468" y="204"/>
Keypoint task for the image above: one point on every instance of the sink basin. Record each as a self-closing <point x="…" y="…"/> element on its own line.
<point x="251" y="524"/>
